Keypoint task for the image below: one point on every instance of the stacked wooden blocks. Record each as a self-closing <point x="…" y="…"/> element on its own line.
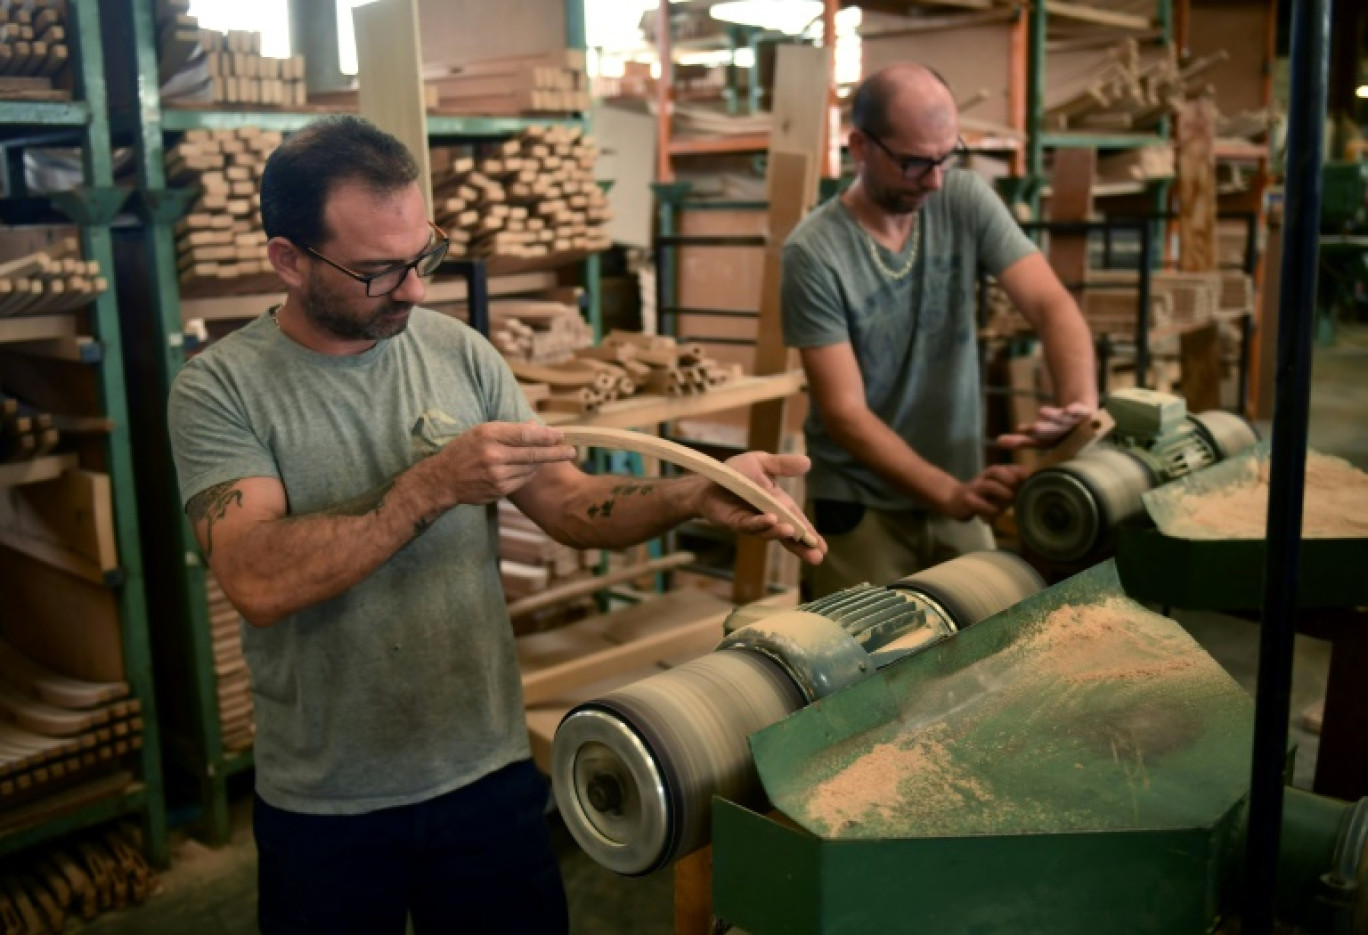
<point x="221" y="237"/>
<point x="94" y="873"/>
<point x="625" y="364"/>
<point x="240" y="74"/>
<point x="530" y="561"/>
<point x="531" y="84"/>
<point x="49" y="281"/>
<point x="534" y="197"/>
<point x="177" y="36"/>
<point x="33" y="49"/>
<point x="1129" y="92"/>
<point x="537" y="332"/>
<point x="234" y="687"/>
<point x="56" y="730"/>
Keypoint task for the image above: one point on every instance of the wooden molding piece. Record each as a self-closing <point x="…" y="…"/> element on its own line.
<point x="565" y="592"/>
<point x="1095" y="428"/>
<point x="690" y="460"/>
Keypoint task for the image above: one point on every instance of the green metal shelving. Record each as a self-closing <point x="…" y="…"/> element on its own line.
<point x="1038" y="139"/>
<point x="181" y="614"/>
<point x="93" y="207"/>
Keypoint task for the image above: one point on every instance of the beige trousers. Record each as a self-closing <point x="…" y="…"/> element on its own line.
<point x="884" y="547"/>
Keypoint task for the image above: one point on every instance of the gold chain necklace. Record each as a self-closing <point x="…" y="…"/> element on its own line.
<point x="895" y="274"/>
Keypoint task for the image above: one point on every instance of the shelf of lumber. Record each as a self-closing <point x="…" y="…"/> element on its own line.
<point x="718" y="145"/>
<point x="647" y="409"/>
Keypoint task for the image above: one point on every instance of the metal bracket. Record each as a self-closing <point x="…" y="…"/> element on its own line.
<point x="93" y="206"/>
<point x="162" y="205"/>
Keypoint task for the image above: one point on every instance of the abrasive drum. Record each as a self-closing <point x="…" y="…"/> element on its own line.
<point x="1069" y="512"/>
<point x="976" y="586"/>
<point x="634" y="771"/>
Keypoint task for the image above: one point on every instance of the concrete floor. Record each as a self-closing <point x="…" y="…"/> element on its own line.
<point x="213" y="892"/>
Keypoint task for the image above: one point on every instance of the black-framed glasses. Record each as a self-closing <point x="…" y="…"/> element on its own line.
<point x="915" y="168"/>
<point x="386" y="281"/>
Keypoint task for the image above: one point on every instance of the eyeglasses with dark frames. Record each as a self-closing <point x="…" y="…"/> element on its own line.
<point x="915" y="168"/>
<point x="386" y="281"/>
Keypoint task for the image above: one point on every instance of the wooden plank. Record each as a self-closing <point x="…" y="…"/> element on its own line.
<point x="1200" y="360"/>
<point x="39" y="328"/>
<point x="36" y="471"/>
<point x="64" y="622"/>
<point x="1084" y="13"/>
<point x="67" y="522"/>
<point x="565" y="592"/>
<point x="701" y="633"/>
<point x="1071" y="178"/>
<point x="54" y="688"/>
<point x="649" y="445"/>
<point x="389" y="59"/>
<point x="1197" y="248"/>
<point x="1082" y="435"/>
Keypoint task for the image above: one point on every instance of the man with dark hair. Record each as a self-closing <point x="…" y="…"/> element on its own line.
<point x="340" y="459"/>
<point x="879" y="297"/>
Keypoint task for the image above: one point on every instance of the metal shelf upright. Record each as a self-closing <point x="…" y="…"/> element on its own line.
<point x="93" y="206"/>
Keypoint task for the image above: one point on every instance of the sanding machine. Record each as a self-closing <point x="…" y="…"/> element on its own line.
<point x="963" y="750"/>
<point x="635" y="770"/>
<point x="1068" y="514"/>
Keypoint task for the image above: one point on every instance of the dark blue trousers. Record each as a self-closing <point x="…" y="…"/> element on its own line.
<point x="475" y="860"/>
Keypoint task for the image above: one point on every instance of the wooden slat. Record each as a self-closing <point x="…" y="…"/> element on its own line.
<point x="556" y="595"/>
<point x="60" y="620"/>
<point x="67" y="522"/>
<point x="36" y="471"/>
<point x="389" y="56"/>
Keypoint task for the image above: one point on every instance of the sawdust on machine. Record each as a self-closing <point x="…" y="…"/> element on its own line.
<point x="1073" y="666"/>
<point x="1335" y="504"/>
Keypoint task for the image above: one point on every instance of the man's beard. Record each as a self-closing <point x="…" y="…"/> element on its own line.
<point x="896" y="201"/>
<point x="320" y="304"/>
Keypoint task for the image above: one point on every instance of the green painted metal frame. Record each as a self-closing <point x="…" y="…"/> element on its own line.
<point x="93" y="208"/>
<point x="148" y="125"/>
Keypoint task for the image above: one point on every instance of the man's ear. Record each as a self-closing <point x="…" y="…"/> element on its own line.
<point x="287" y="261"/>
<point x="856" y="144"/>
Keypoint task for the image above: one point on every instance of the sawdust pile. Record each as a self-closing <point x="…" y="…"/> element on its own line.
<point x="875" y="786"/>
<point x="1103" y="643"/>
<point x="1336" y="504"/>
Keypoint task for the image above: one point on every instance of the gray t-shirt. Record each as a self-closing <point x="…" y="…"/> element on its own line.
<point x="406" y="686"/>
<point x="913" y="337"/>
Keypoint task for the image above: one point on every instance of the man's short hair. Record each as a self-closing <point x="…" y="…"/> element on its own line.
<point x="870" y="104"/>
<point x="305" y="169"/>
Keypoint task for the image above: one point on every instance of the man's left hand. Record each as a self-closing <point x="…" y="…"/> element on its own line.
<point x="723" y="507"/>
<point x="1051" y="425"/>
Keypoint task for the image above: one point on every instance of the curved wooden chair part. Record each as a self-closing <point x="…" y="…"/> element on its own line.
<point x="690" y="460"/>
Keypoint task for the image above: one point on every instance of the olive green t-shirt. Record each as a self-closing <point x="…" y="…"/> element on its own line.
<point x="913" y="335"/>
<point x="406" y="686"/>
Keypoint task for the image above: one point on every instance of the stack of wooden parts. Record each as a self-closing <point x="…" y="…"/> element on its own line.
<point x="537" y="332"/>
<point x="99" y="871"/>
<point x="1142" y="164"/>
<point x="626" y="363"/>
<point x="1128" y="91"/>
<point x="555" y="82"/>
<point x="1179" y="300"/>
<point x="33" y="49"/>
<point x="24" y="434"/>
<point x="233" y="684"/>
<point x="56" y="730"/>
<point x="530" y="561"/>
<point x="534" y="197"/>
<point x="49" y="281"/>
<point x="221" y="237"/>
<point x="178" y="36"/>
<point x="240" y="74"/>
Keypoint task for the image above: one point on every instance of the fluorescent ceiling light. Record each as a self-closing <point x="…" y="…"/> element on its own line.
<point x="1362" y="91"/>
<point x="787" y="16"/>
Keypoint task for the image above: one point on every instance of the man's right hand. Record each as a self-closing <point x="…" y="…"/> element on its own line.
<point x="494" y="459"/>
<point x="986" y="495"/>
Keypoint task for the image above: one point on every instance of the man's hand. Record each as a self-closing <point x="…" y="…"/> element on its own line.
<point x="986" y="495"/>
<point x="1050" y="426"/>
<point x="723" y="507"/>
<point x="494" y="459"/>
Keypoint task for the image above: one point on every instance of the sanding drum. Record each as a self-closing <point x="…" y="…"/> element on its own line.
<point x="1068" y="513"/>
<point x="635" y="771"/>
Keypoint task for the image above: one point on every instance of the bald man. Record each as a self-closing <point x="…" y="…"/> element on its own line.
<point x="879" y="297"/>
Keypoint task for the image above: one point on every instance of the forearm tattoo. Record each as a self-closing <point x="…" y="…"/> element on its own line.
<point x="211" y="505"/>
<point x="604" y="510"/>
